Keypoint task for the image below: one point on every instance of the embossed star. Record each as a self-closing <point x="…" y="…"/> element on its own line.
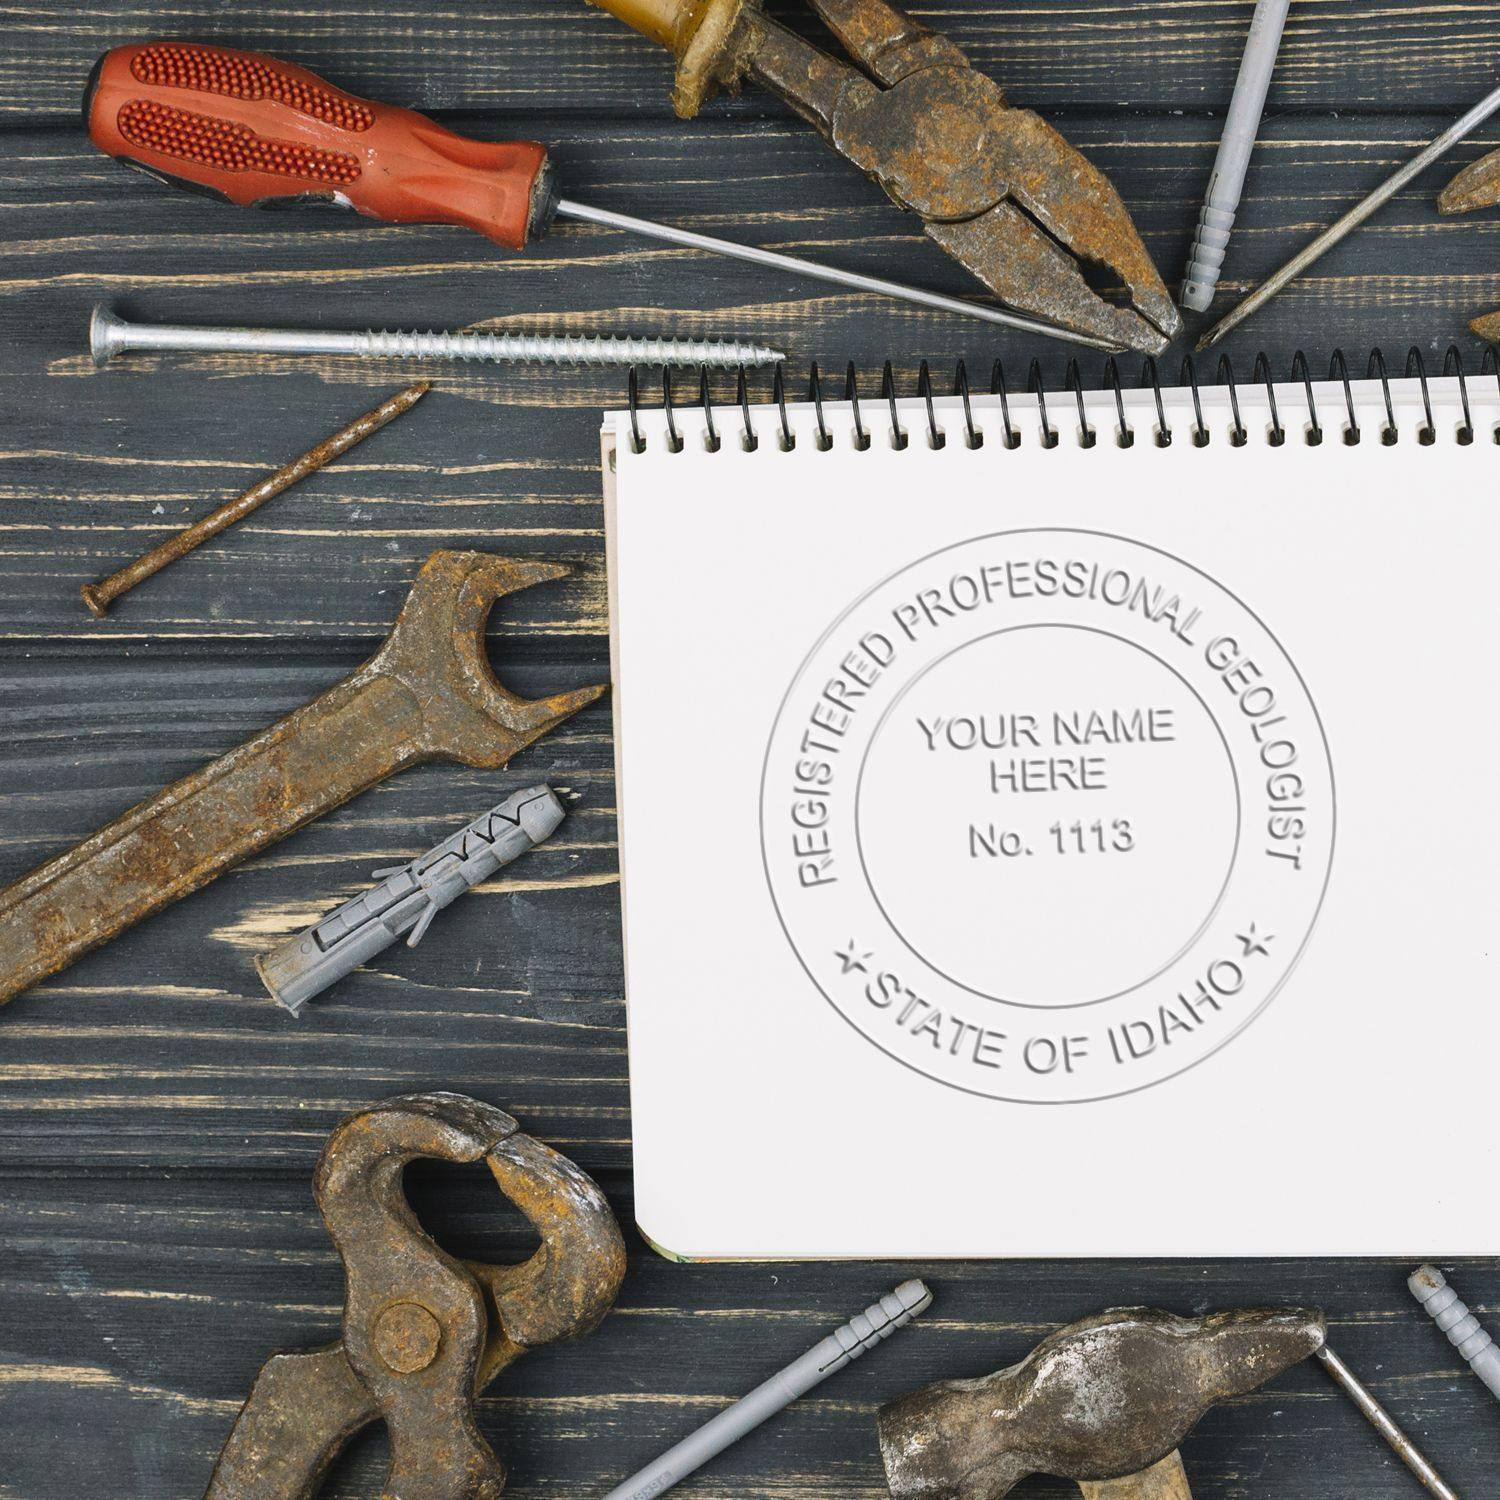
<point x="1253" y="942"/>
<point x="853" y="959"/>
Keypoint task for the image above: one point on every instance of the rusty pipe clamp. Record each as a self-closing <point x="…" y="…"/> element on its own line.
<point x="423" y="1333"/>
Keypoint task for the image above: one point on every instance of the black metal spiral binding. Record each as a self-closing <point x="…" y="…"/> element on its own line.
<point x="1262" y="372"/>
<point x="936" y="437"/>
<point x="778" y="395"/>
<point x="1150" y="376"/>
<point x="824" y="439"/>
<point x="1125" y="435"/>
<point x="1190" y="379"/>
<point x="1238" y="435"/>
<point x="851" y="396"/>
<point x="1453" y="364"/>
<point x="1073" y="379"/>
<point x="1338" y="369"/>
<point x="674" y="438"/>
<point x="710" y="432"/>
<point x="748" y="439"/>
<point x="1012" y="437"/>
<point x="1376" y="370"/>
<point x="1124" y="432"/>
<point x="973" y="438"/>
<point x="888" y="393"/>
<point x="1038" y="388"/>
<point x="1415" y="365"/>
<point x="1301" y="372"/>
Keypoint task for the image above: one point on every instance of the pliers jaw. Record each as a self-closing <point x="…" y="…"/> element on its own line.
<point x="1477" y="186"/>
<point x="996" y="187"/>
<point x="423" y="1333"/>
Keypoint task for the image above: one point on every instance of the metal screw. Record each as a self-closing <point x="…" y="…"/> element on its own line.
<point x="99" y="596"/>
<point x="1385" y="1424"/>
<point x="110" y="335"/>
<point x="1431" y="1289"/>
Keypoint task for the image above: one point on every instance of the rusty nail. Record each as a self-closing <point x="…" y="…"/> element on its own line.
<point x="99" y="596"/>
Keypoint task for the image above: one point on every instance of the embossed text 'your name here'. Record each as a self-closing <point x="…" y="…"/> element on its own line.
<point x="870" y="655"/>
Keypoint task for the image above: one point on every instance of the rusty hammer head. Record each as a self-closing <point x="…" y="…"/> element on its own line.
<point x="437" y="652"/>
<point x="1108" y="1398"/>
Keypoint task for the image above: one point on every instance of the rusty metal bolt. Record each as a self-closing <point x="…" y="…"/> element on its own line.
<point x="407" y="1337"/>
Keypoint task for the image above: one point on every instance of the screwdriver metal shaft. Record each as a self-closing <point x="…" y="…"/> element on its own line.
<point x="167" y="108"/>
<point x="754" y="255"/>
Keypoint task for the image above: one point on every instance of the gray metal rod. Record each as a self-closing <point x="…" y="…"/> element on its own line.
<point x="1385" y="1425"/>
<point x="894" y="1310"/>
<point x="757" y="257"/>
<point x="1226" y="183"/>
<point x="1354" y="218"/>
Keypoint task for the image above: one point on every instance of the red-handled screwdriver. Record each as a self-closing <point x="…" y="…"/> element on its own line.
<point x="259" y="132"/>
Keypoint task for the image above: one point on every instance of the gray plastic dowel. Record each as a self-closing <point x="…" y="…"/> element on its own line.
<point x="1227" y="182"/>
<point x="407" y="899"/>
<point x="1431" y="1289"/>
<point x="894" y="1310"/>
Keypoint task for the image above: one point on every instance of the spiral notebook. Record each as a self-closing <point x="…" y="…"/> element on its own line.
<point x="1064" y="824"/>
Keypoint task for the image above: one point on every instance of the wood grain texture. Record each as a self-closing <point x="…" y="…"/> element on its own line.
<point x="125" y="1287"/>
<point x="502" y="457"/>
<point x="541" y="58"/>
<point x="159" y="1116"/>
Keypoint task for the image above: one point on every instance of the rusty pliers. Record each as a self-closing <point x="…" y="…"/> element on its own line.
<point x="423" y="1333"/>
<point x="996" y="187"/>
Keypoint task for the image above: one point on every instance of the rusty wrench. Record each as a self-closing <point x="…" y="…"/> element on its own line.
<point x="423" y="1333"/>
<point x="428" y="694"/>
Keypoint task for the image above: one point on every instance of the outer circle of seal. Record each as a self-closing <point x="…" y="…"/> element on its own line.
<point x="901" y="986"/>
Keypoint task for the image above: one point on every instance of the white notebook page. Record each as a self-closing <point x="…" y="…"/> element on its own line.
<point x="1062" y="851"/>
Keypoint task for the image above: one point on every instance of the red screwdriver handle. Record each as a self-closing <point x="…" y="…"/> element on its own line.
<point x="261" y="132"/>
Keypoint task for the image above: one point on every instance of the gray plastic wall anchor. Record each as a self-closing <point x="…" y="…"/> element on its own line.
<point x="844" y="1345"/>
<point x="1227" y="181"/>
<point x="407" y="899"/>
<point x="1431" y="1289"/>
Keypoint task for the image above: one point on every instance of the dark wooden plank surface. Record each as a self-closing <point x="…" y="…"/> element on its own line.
<point x="556" y="57"/>
<point x="159" y="1118"/>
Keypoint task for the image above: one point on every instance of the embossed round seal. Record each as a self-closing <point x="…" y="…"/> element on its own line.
<point x="1048" y="815"/>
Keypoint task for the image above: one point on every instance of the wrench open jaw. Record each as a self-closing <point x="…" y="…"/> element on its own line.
<point x="1476" y="187"/>
<point x="429" y="693"/>
<point x="999" y="189"/>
